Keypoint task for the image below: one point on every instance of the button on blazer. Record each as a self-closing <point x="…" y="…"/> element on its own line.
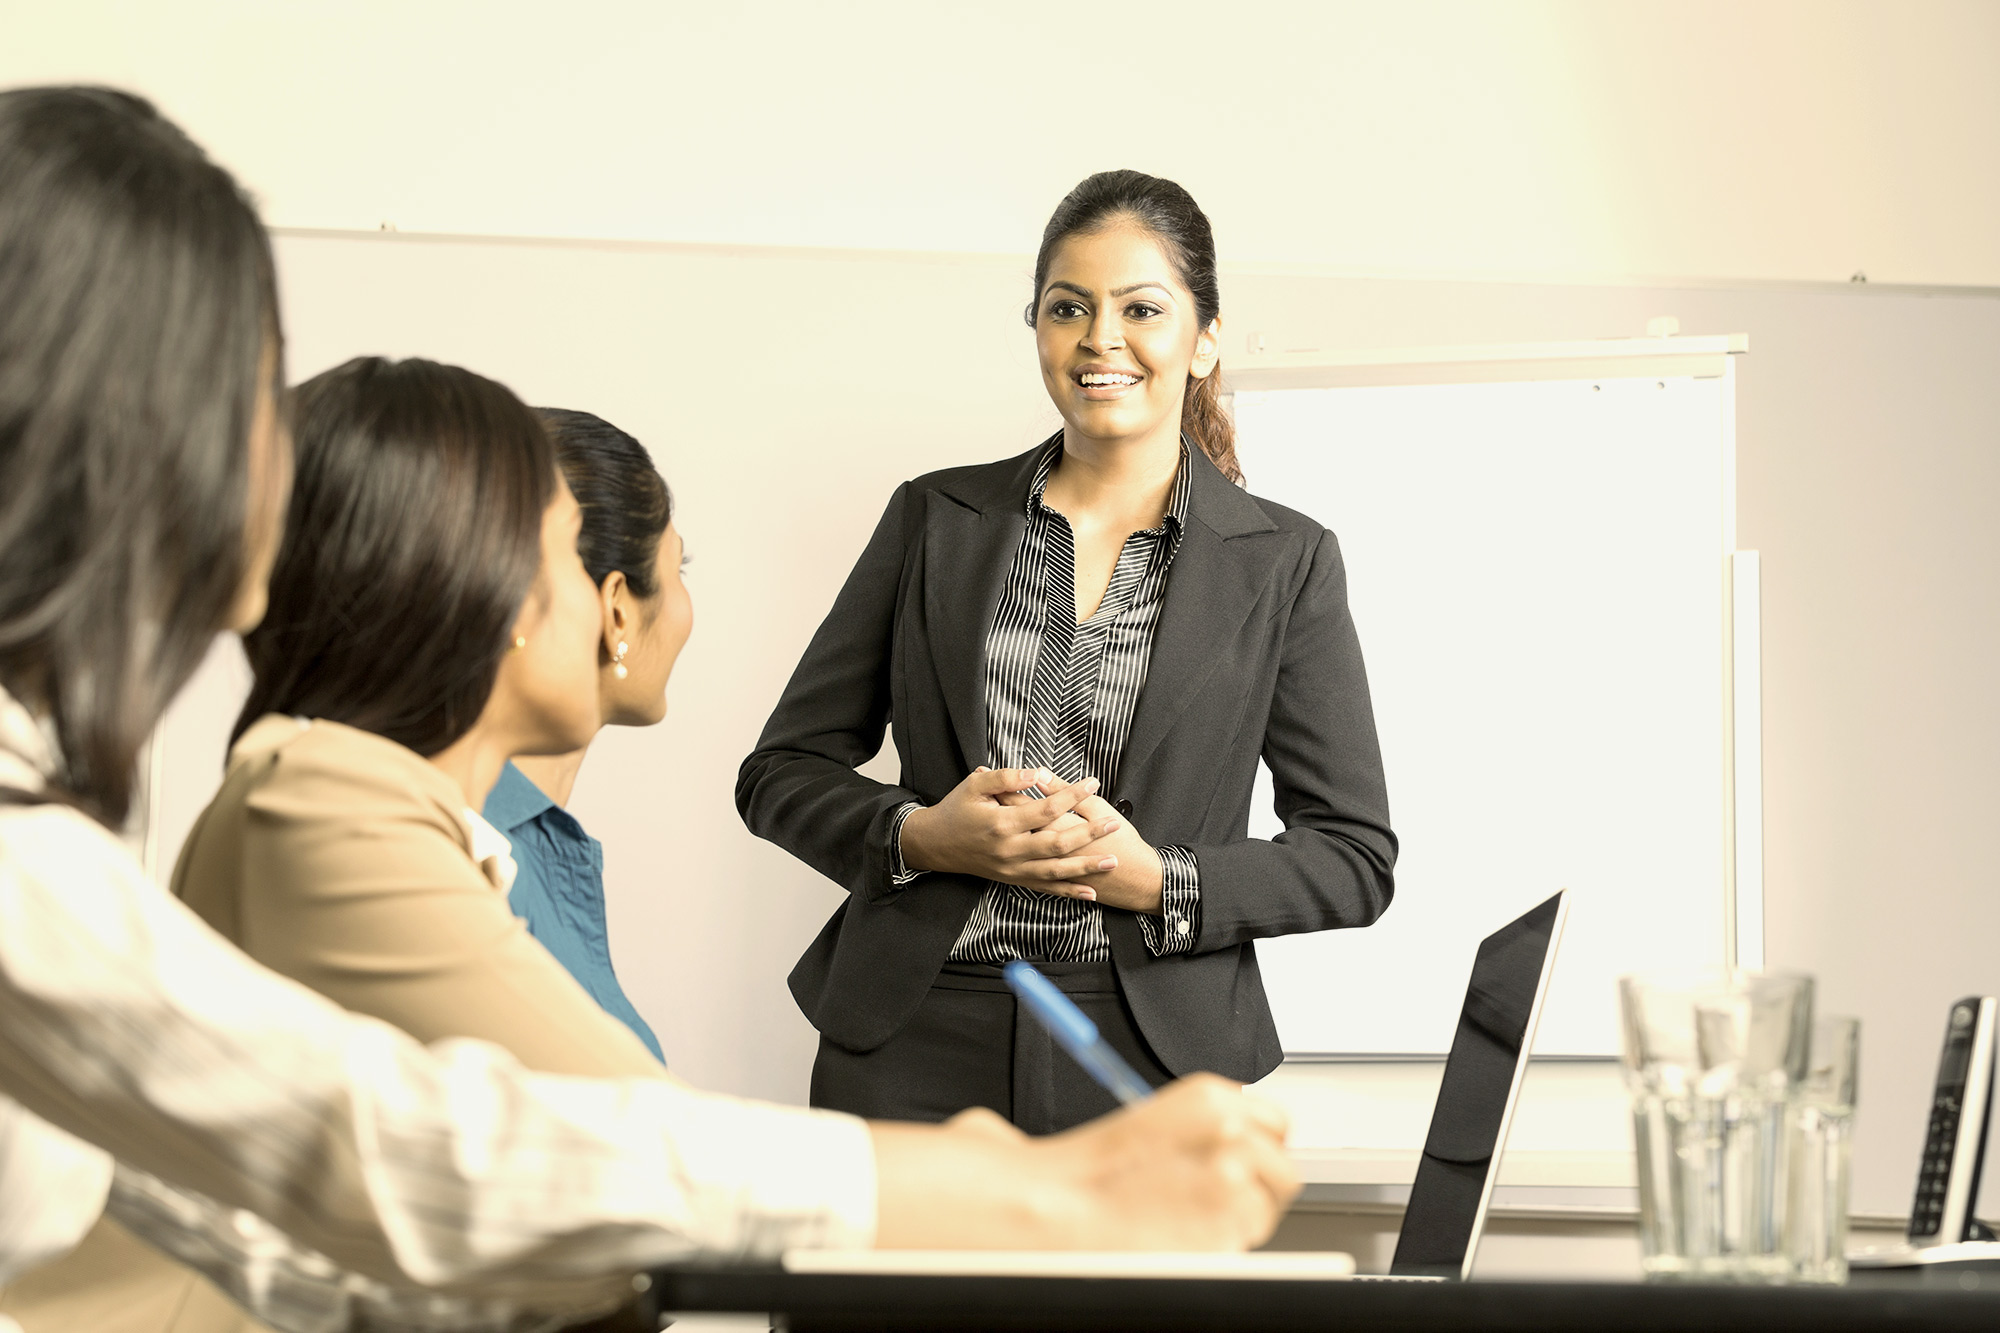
<point x="1255" y="656"/>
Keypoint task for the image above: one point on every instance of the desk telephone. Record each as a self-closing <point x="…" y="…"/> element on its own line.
<point x="1955" y="1147"/>
<point x="1942" y="1227"/>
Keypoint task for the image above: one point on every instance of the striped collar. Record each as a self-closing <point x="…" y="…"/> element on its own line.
<point x="1177" y="499"/>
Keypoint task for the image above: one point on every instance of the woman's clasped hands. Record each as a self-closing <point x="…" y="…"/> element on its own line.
<point x="1069" y="842"/>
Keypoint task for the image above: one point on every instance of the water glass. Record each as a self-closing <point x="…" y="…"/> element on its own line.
<point x="1822" y="1145"/>
<point x="1714" y="1064"/>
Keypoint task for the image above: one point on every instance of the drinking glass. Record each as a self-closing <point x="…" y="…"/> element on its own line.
<point x="1822" y="1144"/>
<point x="1714" y="1064"/>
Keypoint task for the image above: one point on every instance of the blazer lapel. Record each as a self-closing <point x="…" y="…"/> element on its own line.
<point x="971" y="532"/>
<point x="1217" y="579"/>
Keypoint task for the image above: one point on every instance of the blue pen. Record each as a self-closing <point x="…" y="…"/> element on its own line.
<point x="1075" y="1033"/>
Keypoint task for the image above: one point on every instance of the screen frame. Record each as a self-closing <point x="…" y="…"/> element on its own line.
<point x="1561" y="900"/>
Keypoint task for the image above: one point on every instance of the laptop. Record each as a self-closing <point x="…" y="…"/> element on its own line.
<point x="1475" y="1102"/>
<point x="1454" y="1184"/>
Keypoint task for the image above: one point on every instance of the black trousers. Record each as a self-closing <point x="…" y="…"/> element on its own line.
<point x="971" y="1044"/>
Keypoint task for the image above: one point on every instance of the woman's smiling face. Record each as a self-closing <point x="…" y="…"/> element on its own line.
<point x="1116" y="332"/>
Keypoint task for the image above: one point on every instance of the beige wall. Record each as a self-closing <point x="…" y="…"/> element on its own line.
<point x="1798" y="139"/>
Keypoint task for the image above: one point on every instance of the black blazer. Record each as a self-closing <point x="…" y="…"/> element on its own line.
<point x="1255" y="654"/>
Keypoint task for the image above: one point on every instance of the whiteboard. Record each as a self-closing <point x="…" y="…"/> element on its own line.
<point x="1537" y="574"/>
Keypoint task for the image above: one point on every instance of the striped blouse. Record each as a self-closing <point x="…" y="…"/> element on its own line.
<point x="1061" y="695"/>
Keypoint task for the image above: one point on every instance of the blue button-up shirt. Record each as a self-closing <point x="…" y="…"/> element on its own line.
<point x="559" y="891"/>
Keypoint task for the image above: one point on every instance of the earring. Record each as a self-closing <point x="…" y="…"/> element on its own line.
<point x="520" y="641"/>
<point x="618" y="660"/>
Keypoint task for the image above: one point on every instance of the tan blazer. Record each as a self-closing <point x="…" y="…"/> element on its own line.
<point x="344" y="861"/>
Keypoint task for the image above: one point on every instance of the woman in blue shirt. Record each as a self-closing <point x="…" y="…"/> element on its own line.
<point x="634" y="555"/>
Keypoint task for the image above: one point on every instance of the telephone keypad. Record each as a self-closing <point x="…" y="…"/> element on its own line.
<point x="1935" y="1174"/>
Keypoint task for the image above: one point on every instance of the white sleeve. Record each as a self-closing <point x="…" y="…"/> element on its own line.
<point x="52" y="1189"/>
<point x="295" y="1290"/>
<point x="127" y="1022"/>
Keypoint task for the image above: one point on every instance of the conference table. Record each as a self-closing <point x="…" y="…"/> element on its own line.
<point x="848" y="1303"/>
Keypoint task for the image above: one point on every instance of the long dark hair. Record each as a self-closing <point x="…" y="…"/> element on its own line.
<point x="413" y="539"/>
<point x="1177" y="222"/>
<point x="625" y="501"/>
<point x="137" y="306"/>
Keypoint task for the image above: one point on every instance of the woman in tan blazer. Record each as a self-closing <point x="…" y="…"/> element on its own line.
<point x="429" y="618"/>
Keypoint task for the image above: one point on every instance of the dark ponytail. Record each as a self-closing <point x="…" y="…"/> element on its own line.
<point x="625" y="502"/>
<point x="1172" y="216"/>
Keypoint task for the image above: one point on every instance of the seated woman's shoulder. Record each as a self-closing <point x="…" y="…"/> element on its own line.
<point x="311" y="768"/>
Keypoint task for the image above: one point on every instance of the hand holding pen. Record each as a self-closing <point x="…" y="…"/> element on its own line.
<point x="1200" y="1148"/>
<point x="1199" y="1165"/>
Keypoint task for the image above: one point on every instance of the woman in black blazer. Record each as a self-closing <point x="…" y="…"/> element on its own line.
<point x="1098" y="637"/>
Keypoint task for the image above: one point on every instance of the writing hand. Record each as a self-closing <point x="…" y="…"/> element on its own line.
<point x="1199" y="1148"/>
<point x="1200" y="1165"/>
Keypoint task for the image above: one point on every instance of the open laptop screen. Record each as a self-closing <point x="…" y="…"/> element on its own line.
<point x="1482" y="1078"/>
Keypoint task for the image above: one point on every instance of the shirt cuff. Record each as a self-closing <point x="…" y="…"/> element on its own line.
<point x="900" y="874"/>
<point x="1178" y="925"/>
